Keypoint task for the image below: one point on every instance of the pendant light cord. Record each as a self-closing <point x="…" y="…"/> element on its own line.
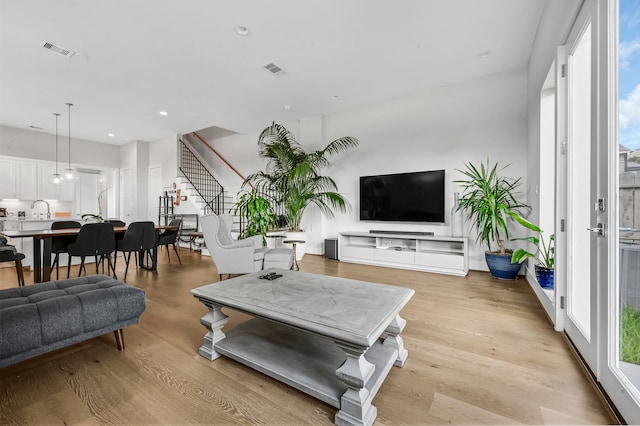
<point x="57" y="115"/>
<point x="70" y="105"/>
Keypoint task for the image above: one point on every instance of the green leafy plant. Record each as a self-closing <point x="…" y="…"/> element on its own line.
<point x="488" y="198"/>
<point x="258" y="213"/>
<point x="98" y="218"/>
<point x="545" y="251"/>
<point x="293" y="175"/>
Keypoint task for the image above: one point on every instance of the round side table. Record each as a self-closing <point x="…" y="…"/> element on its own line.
<point x="295" y="266"/>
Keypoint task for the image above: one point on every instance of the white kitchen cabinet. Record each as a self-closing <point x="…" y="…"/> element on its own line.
<point x="8" y="178"/>
<point x="19" y="179"/>
<point x="48" y="191"/>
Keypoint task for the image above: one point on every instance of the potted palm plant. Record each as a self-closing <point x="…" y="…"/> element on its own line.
<point x="489" y="201"/>
<point x="294" y="176"/>
<point x="544" y="254"/>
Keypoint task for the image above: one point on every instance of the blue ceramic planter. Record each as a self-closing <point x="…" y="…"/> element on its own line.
<point x="545" y="277"/>
<point x="501" y="267"/>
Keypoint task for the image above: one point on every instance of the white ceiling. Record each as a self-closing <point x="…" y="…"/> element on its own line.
<point x="139" y="57"/>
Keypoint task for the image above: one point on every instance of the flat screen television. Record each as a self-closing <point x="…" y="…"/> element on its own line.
<point x="403" y="197"/>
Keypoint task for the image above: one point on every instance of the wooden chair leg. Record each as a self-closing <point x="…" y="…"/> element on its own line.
<point x="119" y="339"/>
<point x="68" y="266"/>
<point x="19" y="273"/>
<point x="177" y="254"/>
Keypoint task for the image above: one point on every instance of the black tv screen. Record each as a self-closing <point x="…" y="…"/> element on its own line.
<point x="403" y="197"/>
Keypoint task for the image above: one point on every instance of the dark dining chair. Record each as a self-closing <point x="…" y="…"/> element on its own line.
<point x="170" y="237"/>
<point x="94" y="239"/>
<point x="9" y="253"/>
<point x="140" y="237"/>
<point x="117" y="224"/>
<point x="59" y="244"/>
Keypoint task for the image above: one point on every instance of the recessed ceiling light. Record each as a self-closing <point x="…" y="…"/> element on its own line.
<point x="111" y="135"/>
<point x="287" y="107"/>
<point x="484" y="54"/>
<point x="334" y="97"/>
<point x="164" y="113"/>
<point x="243" y="31"/>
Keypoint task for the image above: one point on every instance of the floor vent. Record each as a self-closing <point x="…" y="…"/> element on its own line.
<point x="60" y="50"/>
<point x="274" y="69"/>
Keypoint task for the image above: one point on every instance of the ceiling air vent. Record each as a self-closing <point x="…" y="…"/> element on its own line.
<point x="61" y="50"/>
<point x="274" y="69"/>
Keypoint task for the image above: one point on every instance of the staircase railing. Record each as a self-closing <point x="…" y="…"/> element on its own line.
<point x="204" y="183"/>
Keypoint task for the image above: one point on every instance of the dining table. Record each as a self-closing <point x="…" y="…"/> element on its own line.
<point x="42" y="247"/>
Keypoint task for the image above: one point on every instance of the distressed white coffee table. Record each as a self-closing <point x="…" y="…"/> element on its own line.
<point x="332" y="338"/>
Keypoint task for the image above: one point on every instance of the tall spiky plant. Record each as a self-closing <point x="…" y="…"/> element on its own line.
<point x="488" y="198"/>
<point x="294" y="175"/>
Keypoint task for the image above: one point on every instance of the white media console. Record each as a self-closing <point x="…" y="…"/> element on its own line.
<point x="440" y="254"/>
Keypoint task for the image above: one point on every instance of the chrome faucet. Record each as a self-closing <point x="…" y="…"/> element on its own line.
<point x="48" y="207"/>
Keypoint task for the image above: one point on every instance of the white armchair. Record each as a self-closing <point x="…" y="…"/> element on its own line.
<point x="231" y="256"/>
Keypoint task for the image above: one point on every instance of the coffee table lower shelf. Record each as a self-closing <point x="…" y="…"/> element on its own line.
<point x="305" y="361"/>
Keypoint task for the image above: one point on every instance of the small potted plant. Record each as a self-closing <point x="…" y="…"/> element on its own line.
<point x="258" y="213"/>
<point x="489" y="200"/>
<point x="544" y="254"/>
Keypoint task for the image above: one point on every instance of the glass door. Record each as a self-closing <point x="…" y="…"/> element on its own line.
<point x="585" y="226"/>
<point x="621" y="349"/>
<point x="601" y="288"/>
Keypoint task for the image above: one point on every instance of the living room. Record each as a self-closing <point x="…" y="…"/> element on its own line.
<point x="493" y="116"/>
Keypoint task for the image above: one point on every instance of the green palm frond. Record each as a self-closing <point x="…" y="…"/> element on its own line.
<point x="295" y="174"/>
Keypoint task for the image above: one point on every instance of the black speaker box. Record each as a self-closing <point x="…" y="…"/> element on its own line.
<point x="331" y="248"/>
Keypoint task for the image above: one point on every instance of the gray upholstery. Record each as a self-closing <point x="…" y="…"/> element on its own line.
<point x="278" y="258"/>
<point x="231" y="256"/>
<point x="43" y="317"/>
<point x="239" y="256"/>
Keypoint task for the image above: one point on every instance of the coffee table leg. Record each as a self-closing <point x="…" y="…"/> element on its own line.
<point x="355" y="404"/>
<point x="213" y="320"/>
<point x="394" y="340"/>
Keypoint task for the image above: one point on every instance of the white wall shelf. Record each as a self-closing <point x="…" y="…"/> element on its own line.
<point x="439" y="254"/>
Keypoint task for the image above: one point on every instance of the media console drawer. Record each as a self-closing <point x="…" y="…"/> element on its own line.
<point x="356" y="252"/>
<point x="396" y="256"/>
<point x="440" y="260"/>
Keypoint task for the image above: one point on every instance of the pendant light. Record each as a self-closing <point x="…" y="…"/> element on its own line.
<point x="56" y="178"/>
<point x="70" y="175"/>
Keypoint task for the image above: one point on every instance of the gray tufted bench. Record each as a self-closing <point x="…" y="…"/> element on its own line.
<point x="43" y="317"/>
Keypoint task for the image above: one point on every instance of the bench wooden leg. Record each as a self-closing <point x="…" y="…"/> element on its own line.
<point x="119" y="339"/>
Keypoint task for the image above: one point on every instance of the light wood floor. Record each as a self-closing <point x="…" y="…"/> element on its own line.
<point x="481" y="351"/>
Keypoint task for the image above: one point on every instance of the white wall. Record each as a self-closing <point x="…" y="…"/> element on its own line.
<point x="39" y="145"/>
<point x="165" y="152"/>
<point x="438" y="129"/>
